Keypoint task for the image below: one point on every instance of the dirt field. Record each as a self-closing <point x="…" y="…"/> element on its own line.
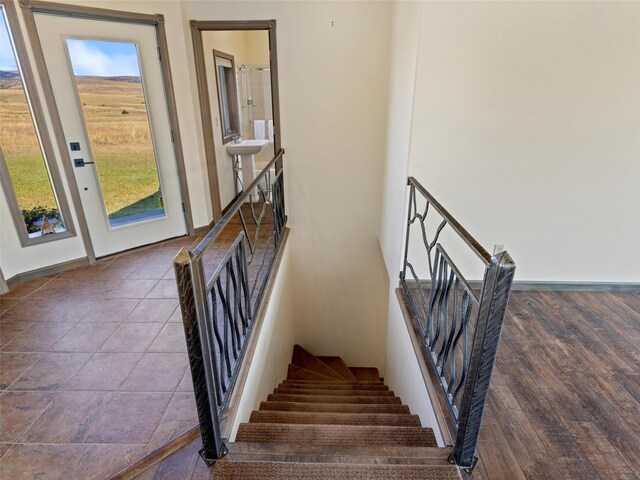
<point x="118" y="127"/>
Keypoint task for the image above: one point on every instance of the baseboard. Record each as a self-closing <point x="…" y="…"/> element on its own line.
<point x="203" y="229"/>
<point x="554" y="286"/>
<point x="46" y="271"/>
<point x="230" y="204"/>
<point x="578" y="286"/>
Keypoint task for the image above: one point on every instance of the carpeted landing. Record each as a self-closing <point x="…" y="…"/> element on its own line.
<point x="331" y="421"/>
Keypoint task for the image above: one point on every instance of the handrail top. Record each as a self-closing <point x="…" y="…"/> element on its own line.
<point x="459" y="229"/>
<point x="219" y="226"/>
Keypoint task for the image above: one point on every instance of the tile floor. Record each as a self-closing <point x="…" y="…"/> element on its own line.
<point x="93" y="366"/>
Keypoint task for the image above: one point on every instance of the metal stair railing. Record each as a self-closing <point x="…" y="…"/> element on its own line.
<point x="460" y="327"/>
<point x="220" y="287"/>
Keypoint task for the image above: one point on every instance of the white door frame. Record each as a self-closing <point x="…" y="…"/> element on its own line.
<point x="206" y="116"/>
<point x="31" y="7"/>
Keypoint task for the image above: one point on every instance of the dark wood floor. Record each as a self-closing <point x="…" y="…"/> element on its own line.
<point x="565" y="399"/>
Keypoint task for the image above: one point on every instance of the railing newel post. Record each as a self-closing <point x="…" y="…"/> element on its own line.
<point x="191" y="305"/>
<point x="491" y="314"/>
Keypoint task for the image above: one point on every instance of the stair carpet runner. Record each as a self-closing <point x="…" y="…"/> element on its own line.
<point x="330" y="421"/>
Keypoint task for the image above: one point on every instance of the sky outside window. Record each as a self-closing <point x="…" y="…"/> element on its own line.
<point x="98" y="58"/>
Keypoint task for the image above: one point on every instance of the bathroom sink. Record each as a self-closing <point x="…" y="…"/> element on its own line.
<point x="246" y="147"/>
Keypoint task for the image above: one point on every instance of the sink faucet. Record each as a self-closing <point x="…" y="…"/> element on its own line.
<point x="237" y="139"/>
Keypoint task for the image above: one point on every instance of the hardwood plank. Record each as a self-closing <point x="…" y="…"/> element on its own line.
<point x="619" y="427"/>
<point x="498" y="459"/>
<point x="632" y="300"/>
<point x="567" y="454"/>
<point x="631" y="383"/>
<point x="534" y="459"/>
<point x="597" y="337"/>
<point x="602" y="455"/>
<point x="540" y="349"/>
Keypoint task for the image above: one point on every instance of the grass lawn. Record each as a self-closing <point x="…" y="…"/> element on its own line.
<point x="118" y="126"/>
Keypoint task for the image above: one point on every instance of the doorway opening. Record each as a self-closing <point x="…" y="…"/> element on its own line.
<point x="236" y="68"/>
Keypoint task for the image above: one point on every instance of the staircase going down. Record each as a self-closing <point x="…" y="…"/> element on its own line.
<point x="330" y="421"/>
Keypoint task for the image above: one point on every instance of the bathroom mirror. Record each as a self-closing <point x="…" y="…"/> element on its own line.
<point x="227" y="95"/>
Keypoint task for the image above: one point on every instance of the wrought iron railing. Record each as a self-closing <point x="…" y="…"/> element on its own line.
<point x="221" y="283"/>
<point x="460" y="327"/>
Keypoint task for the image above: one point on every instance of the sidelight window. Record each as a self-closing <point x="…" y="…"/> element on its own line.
<point x="27" y="164"/>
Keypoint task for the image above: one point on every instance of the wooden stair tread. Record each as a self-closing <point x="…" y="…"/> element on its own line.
<point x="307" y="360"/>
<point x="334" y="407"/>
<point x="361" y="451"/>
<point x="337" y="458"/>
<point x="335" y="418"/>
<point x="242" y="470"/>
<point x="331" y="399"/>
<point x="336" y="434"/>
<point x="333" y="386"/>
<point x="334" y="380"/>
<point x="365" y="373"/>
<point x="329" y="391"/>
<point x="300" y="373"/>
<point x="339" y="366"/>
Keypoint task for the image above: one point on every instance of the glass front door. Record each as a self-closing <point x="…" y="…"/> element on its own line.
<point x="110" y="95"/>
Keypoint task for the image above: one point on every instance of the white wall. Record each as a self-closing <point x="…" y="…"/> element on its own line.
<point x="402" y="372"/>
<point x="333" y="91"/>
<point x="275" y="344"/>
<point x="405" y="32"/>
<point x="257" y="47"/>
<point x="527" y="128"/>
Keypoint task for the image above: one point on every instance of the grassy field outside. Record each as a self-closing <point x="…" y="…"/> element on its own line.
<point x="116" y="117"/>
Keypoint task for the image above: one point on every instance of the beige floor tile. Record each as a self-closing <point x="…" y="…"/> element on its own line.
<point x="18" y="411"/>
<point x="51" y="371"/>
<point x="129" y="418"/>
<point x="157" y="372"/>
<point x="12" y="365"/>
<point x="132" y="337"/>
<point x="104" y="371"/>
<point x="69" y="417"/>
